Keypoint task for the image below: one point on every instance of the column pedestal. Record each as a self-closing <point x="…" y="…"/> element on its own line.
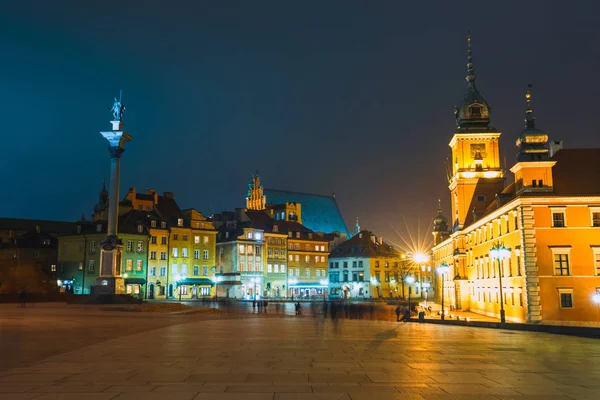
<point x="110" y="280"/>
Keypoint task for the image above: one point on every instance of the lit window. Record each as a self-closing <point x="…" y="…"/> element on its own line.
<point x="92" y="246"/>
<point x="205" y="255"/>
<point x="595" y="211"/>
<point x="53" y="268"/>
<point x="152" y="271"/>
<point x="323" y="259"/>
<point x="163" y="225"/>
<point x="558" y="218"/>
<point x="196" y="254"/>
<point x="565" y="298"/>
<point x="597" y="260"/>
<point x="128" y="265"/>
<point x="175" y="252"/>
<point x="139" y="265"/>
<point x="140" y="229"/>
<point x="153" y="255"/>
<point x="269" y="268"/>
<point x="205" y="270"/>
<point x="184" y="252"/>
<point x="242" y="249"/>
<point x="249" y="235"/>
<point x="561" y="264"/>
<point x="307" y="272"/>
<point x="205" y="239"/>
<point x="92" y="265"/>
<point x="318" y="273"/>
<point x="276" y="268"/>
<point x="130" y="245"/>
<point x="140" y="246"/>
<point x="179" y="221"/>
<point x="153" y="224"/>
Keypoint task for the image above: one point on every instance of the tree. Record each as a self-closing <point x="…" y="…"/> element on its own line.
<point x="401" y="270"/>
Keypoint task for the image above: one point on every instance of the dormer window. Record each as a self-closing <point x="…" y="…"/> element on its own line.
<point x="163" y="225"/>
<point x="153" y="224"/>
<point x="99" y="228"/>
<point x="475" y="110"/>
<point x="140" y="228"/>
<point x="179" y="221"/>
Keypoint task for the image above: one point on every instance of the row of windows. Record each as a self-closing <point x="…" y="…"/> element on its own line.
<point x="306" y="258"/>
<point x="562" y="265"/>
<point x="306" y="247"/>
<point x="249" y="249"/>
<point x="488" y="267"/>
<point x="139" y="265"/>
<point x="277" y="254"/>
<point x="195" y="270"/>
<point x="559" y="219"/>
<point x="492" y="295"/>
<point x="359" y="264"/>
<point x="276" y="268"/>
<point x="319" y="273"/>
<point x="249" y="267"/>
<point x="184" y="237"/>
<point x="492" y="229"/>
<point x="184" y="253"/>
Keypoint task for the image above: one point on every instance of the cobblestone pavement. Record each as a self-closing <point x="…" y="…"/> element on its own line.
<point x="260" y="357"/>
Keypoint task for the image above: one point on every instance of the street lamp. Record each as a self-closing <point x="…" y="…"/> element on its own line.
<point x="216" y="280"/>
<point x="443" y="269"/>
<point x="499" y="252"/>
<point x="410" y="280"/>
<point x="596" y="299"/>
<point x="425" y="287"/>
<point x="178" y="279"/>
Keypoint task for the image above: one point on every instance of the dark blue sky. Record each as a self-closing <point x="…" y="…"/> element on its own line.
<point x="320" y="96"/>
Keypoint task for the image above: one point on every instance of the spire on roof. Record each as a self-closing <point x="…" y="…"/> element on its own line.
<point x="470" y="64"/>
<point x="529" y="117"/>
<point x="357" y="227"/>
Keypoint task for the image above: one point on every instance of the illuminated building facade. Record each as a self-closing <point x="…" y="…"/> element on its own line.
<point x="365" y="267"/>
<point x="546" y="223"/>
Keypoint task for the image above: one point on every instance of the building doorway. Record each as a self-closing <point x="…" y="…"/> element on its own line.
<point x="151" y="291"/>
<point x="170" y="290"/>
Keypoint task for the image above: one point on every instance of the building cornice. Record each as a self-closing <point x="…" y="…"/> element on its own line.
<point x="531" y="164"/>
<point x="473" y="136"/>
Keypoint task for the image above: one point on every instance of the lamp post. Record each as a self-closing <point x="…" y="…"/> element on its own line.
<point x="179" y="278"/>
<point x="216" y="280"/>
<point x="409" y="280"/>
<point x="596" y="299"/>
<point x="443" y="269"/>
<point x="425" y="288"/>
<point x="255" y="282"/>
<point x="499" y="252"/>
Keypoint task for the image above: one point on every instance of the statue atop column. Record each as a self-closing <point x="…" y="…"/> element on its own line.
<point x="118" y="108"/>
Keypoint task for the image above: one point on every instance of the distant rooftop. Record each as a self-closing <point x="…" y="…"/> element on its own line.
<point x="320" y="213"/>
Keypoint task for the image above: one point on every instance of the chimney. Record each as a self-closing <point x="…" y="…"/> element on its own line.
<point x="169" y="195"/>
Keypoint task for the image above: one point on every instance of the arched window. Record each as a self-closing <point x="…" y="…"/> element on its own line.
<point x="475" y="110"/>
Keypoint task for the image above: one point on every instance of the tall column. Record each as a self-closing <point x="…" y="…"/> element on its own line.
<point x="110" y="280"/>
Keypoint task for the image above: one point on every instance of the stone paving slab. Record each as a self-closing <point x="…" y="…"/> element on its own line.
<point x="287" y="358"/>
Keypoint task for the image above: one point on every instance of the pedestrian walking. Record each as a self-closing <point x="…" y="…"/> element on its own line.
<point x="23" y="297"/>
<point x="398" y="313"/>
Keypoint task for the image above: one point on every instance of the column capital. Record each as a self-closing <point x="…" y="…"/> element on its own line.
<point x="115" y="151"/>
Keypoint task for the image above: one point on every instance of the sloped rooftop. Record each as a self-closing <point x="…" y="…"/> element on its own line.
<point x="320" y="213"/>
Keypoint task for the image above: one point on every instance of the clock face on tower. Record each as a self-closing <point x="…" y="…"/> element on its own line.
<point x="478" y="149"/>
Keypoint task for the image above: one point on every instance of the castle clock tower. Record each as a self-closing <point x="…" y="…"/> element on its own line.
<point x="477" y="175"/>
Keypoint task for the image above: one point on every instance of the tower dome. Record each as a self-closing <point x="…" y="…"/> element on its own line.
<point x="473" y="112"/>
<point x="532" y="142"/>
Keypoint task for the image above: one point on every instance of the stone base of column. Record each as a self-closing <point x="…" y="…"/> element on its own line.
<point x="109" y="285"/>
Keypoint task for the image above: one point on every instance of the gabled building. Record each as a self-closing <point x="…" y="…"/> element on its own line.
<point x="28" y="262"/>
<point x="365" y="267"/>
<point x="530" y="250"/>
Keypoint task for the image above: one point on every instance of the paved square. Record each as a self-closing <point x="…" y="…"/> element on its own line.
<point x="140" y="356"/>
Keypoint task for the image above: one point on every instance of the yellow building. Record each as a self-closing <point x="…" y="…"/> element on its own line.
<point x="532" y="248"/>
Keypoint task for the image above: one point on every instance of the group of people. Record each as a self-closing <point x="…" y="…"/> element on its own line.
<point x="262" y="305"/>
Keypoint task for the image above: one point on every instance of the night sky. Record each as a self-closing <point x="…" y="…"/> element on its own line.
<point x="349" y="97"/>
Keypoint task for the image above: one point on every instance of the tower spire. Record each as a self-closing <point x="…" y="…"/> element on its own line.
<point x="470" y="64"/>
<point x="529" y="117"/>
<point x="357" y="227"/>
